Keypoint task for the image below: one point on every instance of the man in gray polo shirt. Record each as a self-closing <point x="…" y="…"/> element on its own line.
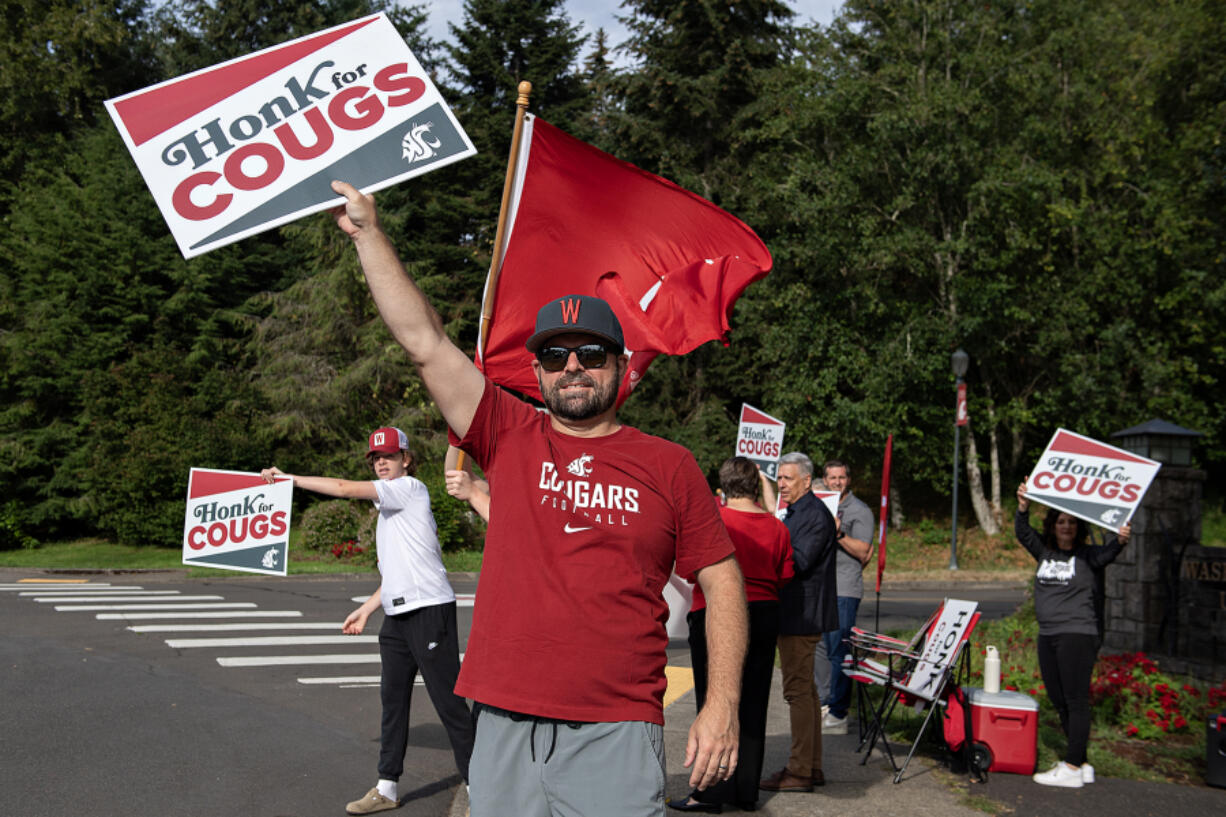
<point x="855" y="540"/>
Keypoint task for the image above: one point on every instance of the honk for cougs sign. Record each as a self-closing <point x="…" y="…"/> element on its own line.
<point x="760" y="438"/>
<point x="253" y="143"/>
<point x="237" y="521"/>
<point x="1093" y="481"/>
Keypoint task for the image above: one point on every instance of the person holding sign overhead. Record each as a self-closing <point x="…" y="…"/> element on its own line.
<point x="419" y="630"/>
<point x="1066" y="604"/>
<point x="567" y="649"/>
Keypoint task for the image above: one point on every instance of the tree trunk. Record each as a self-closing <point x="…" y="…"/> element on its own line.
<point x="896" y="516"/>
<point x="974" y="484"/>
<point x="998" y="513"/>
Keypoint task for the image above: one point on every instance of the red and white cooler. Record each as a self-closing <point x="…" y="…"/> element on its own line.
<point x="1004" y="729"/>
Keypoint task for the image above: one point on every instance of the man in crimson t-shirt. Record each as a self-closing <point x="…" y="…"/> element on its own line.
<point x="567" y="649"/>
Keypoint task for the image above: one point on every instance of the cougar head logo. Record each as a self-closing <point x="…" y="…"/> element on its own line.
<point x="419" y="143"/>
<point x="581" y="466"/>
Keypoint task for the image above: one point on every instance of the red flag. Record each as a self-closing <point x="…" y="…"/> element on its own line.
<point x="670" y="263"/>
<point x="885" y="510"/>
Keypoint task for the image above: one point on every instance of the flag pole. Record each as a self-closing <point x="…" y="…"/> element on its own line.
<point x="491" y="281"/>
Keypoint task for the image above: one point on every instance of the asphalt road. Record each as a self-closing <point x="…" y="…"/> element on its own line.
<point x="102" y="720"/>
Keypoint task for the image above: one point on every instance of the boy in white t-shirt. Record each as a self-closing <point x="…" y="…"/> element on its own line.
<point x="419" y="627"/>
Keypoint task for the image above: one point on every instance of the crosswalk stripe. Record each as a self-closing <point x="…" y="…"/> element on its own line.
<point x="224" y="628"/>
<point x="24" y="590"/>
<point x="344" y="679"/>
<point x="201" y="606"/>
<point x="217" y="614"/>
<point x="271" y="641"/>
<point x="28" y="582"/>
<point x="53" y="599"/>
<point x="461" y="599"/>
<point x="356" y="681"/>
<point x="286" y="660"/>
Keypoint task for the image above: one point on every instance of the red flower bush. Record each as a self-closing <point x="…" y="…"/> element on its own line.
<point x="347" y="549"/>
<point x="1132" y="690"/>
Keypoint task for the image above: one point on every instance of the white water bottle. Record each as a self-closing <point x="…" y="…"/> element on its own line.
<point x="991" y="671"/>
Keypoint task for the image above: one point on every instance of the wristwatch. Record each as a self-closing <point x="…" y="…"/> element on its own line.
<point x="842" y="533"/>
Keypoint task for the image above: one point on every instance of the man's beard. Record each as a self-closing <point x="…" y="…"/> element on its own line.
<point x="576" y="408"/>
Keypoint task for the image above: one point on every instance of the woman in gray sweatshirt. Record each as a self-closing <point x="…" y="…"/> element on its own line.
<point x="1066" y="603"/>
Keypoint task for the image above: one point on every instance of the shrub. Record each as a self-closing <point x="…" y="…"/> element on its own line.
<point x="930" y="534"/>
<point x="12" y="536"/>
<point x="333" y="522"/>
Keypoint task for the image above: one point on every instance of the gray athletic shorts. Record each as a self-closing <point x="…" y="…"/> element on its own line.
<point x="541" y="768"/>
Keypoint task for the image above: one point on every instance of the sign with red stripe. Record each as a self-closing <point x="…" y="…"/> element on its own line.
<point x="253" y="143"/>
<point x="237" y="521"/>
<point x="1093" y="481"/>
<point x="760" y="438"/>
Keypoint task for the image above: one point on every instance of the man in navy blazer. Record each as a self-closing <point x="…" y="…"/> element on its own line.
<point x="808" y="608"/>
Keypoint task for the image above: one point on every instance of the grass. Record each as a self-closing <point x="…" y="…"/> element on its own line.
<point x="97" y="554"/>
<point x="1213" y="527"/>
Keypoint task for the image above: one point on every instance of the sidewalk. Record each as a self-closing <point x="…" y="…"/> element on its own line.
<point x="850" y="787"/>
<point x="927" y="790"/>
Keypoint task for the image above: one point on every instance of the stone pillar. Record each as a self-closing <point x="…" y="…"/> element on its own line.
<point x="1160" y="598"/>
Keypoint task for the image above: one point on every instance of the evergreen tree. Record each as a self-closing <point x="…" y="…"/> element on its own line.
<point x="61" y="59"/>
<point x="699" y="65"/>
<point x="599" y="80"/>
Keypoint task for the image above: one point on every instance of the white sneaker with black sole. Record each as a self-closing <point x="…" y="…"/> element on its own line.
<point x="1062" y="775"/>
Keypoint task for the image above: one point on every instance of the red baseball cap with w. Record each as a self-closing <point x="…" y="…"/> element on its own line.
<point x="583" y="314"/>
<point x="388" y="440"/>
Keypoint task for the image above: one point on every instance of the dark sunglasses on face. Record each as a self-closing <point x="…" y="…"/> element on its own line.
<point x="590" y="356"/>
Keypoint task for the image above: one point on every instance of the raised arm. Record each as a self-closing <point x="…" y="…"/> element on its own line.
<point x="769" y="501"/>
<point x="343" y="488"/>
<point x="1027" y="536"/>
<point x="452" y="379"/>
<point x="476" y="492"/>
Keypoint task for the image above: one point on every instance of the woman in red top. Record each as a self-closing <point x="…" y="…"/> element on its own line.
<point x="764" y="551"/>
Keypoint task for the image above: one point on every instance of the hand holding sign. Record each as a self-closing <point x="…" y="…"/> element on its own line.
<point x="358" y="213"/>
<point x="1093" y="481"/>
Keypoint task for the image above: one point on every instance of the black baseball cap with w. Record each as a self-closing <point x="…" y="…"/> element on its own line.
<point x="584" y="314"/>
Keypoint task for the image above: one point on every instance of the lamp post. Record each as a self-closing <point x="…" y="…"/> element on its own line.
<point x="958" y="361"/>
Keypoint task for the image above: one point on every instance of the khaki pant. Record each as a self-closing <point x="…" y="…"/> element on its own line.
<point x="799" y="690"/>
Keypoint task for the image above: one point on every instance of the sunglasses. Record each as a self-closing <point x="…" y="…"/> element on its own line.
<point x="589" y="355"/>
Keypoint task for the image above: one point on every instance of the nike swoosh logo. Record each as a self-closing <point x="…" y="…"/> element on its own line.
<point x="569" y="529"/>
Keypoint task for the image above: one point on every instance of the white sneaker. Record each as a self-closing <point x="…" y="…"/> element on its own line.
<point x="825" y="710"/>
<point x="1087" y="773"/>
<point x="1061" y="774"/>
<point x="834" y="726"/>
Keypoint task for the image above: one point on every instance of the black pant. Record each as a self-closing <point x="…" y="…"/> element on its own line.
<point x="423" y="639"/>
<point x="1067" y="664"/>
<point x="756" y="677"/>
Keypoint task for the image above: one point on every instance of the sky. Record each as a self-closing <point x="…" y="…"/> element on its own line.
<point x="593" y="14"/>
